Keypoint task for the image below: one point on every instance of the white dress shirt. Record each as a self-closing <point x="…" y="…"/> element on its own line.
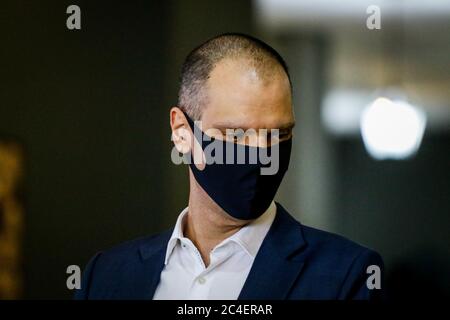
<point x="185" y="276"/>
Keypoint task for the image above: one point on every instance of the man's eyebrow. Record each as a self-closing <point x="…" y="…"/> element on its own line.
<point x="289" y="125"/>
<point x="229" y="125"/>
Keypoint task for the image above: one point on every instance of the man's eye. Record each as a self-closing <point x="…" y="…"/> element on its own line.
<point x="235" y="136"/>
<point x="285" y="134"/>
<point x="280" y="136"/>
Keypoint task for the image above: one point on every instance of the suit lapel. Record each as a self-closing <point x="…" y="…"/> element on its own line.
<point x="276" y="266"/>
<point x="152" y="257"/>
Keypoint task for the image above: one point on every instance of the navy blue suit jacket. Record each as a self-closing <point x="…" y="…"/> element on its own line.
<point x="293" y="262"/>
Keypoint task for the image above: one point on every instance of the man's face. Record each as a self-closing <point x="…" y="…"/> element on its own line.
<point x="239" y="98"/>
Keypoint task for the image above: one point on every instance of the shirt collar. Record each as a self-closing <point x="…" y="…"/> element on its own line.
<point x="177" y="234"/>
<point x="249" y="237"/>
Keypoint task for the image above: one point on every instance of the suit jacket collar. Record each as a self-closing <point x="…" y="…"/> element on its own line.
<point x="277" y="265"/>
<point x="274" y="271"/>
<point x="152" y="254"/>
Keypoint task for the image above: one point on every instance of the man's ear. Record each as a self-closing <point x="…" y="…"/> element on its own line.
<point x="181" y="135"/>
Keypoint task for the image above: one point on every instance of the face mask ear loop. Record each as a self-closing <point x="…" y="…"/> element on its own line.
<point x="194" y="128"/>
<point x="196" y="132"/>
<point x="189" y="120"/>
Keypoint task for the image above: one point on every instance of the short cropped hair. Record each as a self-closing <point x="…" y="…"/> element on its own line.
<point x="200" y="62"/>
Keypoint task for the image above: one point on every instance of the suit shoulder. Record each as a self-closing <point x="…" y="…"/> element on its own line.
<point x="334" y="245"/>
<point x="130" y="248"/>
<point x="320" y="237"/>
<point x="324" y="245"/>
<point x="118" y="266"/>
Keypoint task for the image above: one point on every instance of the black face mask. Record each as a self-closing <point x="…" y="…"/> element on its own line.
<point x="239" y="188"/>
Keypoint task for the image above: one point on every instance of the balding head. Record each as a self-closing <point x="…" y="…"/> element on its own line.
<point x="249" y="55"/>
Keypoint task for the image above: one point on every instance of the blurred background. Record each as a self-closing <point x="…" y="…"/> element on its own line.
<point x="85" y="140"/>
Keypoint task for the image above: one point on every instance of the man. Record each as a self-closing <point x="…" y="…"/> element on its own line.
<point x="233" y="241"/>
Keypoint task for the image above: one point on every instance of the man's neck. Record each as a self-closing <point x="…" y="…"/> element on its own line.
<point x="207" y="224"/>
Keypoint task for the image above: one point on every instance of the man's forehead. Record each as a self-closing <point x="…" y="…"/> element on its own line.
<point x="237" y="98"/>
<point x="230" y="75"/>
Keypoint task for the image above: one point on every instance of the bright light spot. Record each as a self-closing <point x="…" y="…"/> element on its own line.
<point x="392" y="129"/>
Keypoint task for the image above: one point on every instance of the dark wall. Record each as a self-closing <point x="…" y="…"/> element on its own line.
<point x="401" y="208"/>
<point x="91" y="108"/>
<point x="87" y="106"/>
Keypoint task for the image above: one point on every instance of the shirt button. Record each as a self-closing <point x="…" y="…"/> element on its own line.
<point x="201" y="280"/>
